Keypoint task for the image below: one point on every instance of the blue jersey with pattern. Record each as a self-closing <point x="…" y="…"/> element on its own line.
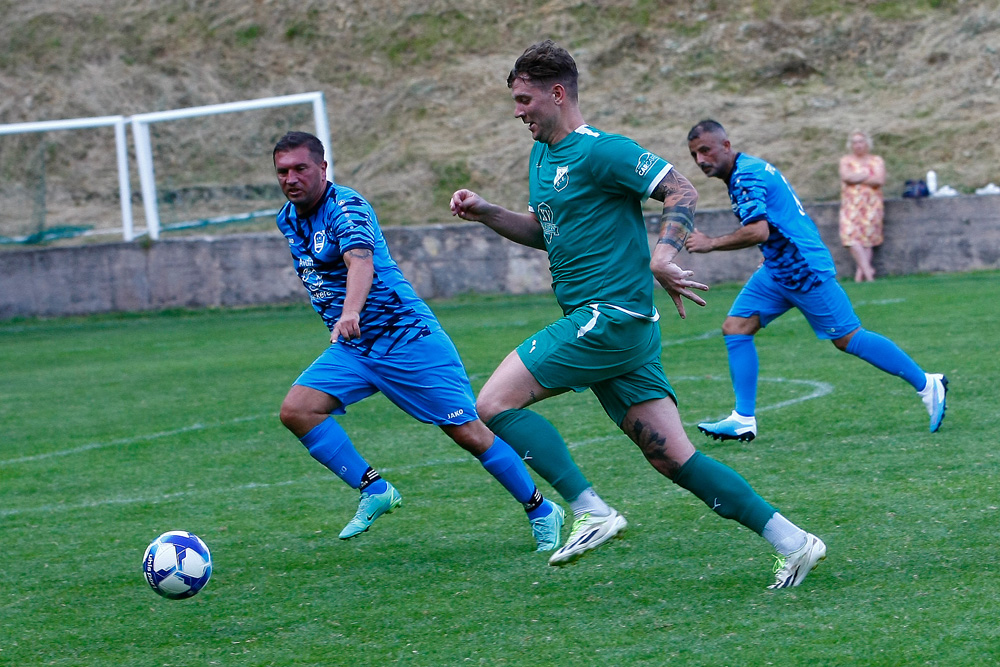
<point x="393" y="314"/>
<point x="794" y="255"/>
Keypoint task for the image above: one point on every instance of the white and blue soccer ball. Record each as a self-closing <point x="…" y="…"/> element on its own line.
<point x="177" y="564"/>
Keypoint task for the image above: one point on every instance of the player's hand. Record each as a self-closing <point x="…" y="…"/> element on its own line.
<point x="698" y="242"/>
<point x="467" y="205"/>
<point x="678" y="283"/>
<point x="347" y="327"/>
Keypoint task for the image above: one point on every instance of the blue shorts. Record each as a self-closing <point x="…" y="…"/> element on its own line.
<point x="425" y="378"/>
<point x="826" y="307"/>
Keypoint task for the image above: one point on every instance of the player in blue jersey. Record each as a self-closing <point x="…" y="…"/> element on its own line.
<point x="585" y="210"/>
<point x="797" y="272"/>
<point x="383" y="338"/>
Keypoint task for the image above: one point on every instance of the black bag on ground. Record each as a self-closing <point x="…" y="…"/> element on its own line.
<point x="915" y="189"/>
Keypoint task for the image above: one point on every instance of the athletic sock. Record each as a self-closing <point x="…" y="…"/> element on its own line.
<point x="725" y="491"/>
<point x="505" y="465"/>
<point x="590" y="503"/>
<point x="784" y="536"/>
<point x="743" y="369"/>
<point x="329" y="444"/>
<point x="372" y="483"/>
<point x="886" y="356"/>
<point x="537" y="507"/>
<point x="539" y="444"/>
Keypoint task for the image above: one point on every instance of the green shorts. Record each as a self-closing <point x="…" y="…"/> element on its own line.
<point x="601" y="348"/>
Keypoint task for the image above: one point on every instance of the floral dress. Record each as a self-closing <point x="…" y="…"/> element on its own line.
<point x="861" y="205"/>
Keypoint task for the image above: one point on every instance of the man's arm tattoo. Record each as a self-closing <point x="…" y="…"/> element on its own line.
<point x="360" y="253"/>
<point x="676" y="224"/>
<point x="679" y="199"/>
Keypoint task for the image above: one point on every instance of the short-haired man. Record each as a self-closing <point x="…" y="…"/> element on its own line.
<point x="586" y="194"/>
<point x="383" y="338"/>
<point x="798" y="272"/>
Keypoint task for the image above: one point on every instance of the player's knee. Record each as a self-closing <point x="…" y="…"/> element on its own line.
<point x="844" y="341"/>
<point x="487" y="408"/>
<point x="292" y="415"/>
<point x="287" y="416"/>
<point x="740" y="326"/>
<point x="472" y="436"/>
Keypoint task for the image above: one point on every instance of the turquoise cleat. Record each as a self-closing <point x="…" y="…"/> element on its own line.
<point x="547" y="529"/>
<point x="371" y="507"/>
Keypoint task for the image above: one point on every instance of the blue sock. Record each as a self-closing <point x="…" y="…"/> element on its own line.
<point x="329" y="444"/>
<point x="743" y="368"/>
<point x="503" y="463"/>
<point x="885" y="355"/>
<point x="543" y="509"/>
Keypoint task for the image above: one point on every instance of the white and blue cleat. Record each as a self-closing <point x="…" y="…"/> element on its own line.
<point x="589" y="532"/>
<point x="934" y="396"/>
<point x="733" y="427"/>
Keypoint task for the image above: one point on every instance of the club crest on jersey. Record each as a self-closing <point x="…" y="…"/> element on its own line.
<point x="646" y="162"/>
<point x="311" y="279"/>
<point x="562" y="179"/>
<point x="549" y="228"/>
<point x="319" y="241"/>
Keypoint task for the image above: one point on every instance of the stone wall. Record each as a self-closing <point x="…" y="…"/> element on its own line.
<point x="921" y="236"/>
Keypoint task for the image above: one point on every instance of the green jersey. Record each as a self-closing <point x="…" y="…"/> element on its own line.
<point x="587" y="193"/>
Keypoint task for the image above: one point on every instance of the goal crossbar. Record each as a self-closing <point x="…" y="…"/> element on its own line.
<point x="144" y="152"/>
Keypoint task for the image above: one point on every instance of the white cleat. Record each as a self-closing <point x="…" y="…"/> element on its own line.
<point x="589" y="532"/>
<point x="791" y="570"/>
<point x="933" y="396"/>
<point x="733" y="427"/>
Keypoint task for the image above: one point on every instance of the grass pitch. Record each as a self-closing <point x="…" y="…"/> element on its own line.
<point x="115" y="429"/>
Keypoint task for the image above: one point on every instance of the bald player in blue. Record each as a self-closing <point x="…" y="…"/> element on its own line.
<point x="798" y="272"/>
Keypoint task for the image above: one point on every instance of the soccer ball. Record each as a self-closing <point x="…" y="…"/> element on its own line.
<point x="177" y="564"/>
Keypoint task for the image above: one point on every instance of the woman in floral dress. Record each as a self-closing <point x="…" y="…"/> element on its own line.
<point x="862" y="176"/>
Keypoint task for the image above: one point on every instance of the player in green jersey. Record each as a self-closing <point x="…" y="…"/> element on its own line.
<point x="586" y="193"/>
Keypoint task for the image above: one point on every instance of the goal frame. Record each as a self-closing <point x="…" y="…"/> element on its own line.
<point x="144" y="151"/>
<point x="121" y="150"/>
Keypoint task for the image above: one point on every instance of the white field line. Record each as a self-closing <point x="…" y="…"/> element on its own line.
<point x="819" y="389"/>
<point x="128" y="441"/>
<point x="879" y="302"/>
<point x="712" y="333"/>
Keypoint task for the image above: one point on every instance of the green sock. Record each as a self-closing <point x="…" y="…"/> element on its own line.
<point x="721" y="488"/>
<point x="540" y="445"/>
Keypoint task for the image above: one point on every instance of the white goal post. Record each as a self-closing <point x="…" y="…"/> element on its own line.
<point x="144" y="152"/>
<point x="121" y="148"/>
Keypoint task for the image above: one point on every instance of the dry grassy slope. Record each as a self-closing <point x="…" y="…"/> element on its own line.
<point x="417" y="98"/>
